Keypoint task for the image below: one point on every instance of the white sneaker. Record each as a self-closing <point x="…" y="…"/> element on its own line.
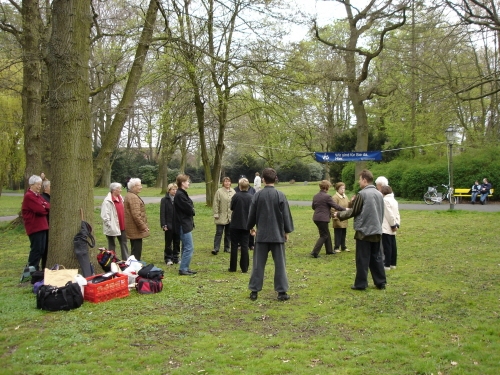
<point x="393" y="267"/>
<point x="337" y="250"/>
<point x="387" y="268"/>
<point x="169" y="263"/>
<point x="347" y="250"/>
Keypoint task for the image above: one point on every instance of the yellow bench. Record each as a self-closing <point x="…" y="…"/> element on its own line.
<point x="461" y="193"/>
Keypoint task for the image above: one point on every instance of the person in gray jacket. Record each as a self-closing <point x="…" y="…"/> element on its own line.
<point x="368" y="211"/>
<point x="269" y="211"/>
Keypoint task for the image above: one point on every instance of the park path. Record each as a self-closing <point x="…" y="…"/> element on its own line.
<point x="466" y="206"/>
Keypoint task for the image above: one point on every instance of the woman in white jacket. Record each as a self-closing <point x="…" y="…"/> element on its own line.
<point x="113" y="217"/>
<point x="390" y="226"/>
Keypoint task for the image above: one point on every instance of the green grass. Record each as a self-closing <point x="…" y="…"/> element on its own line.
<point x="439" y="313"/>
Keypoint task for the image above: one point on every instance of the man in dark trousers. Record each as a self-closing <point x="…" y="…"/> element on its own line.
<point x="368" y="211"/>
<point x="240" y="206"/>
<point x="270" y="212"/>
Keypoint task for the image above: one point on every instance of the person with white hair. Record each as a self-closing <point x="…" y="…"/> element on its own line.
<point x="136" y="224"/>
<point x="35" y="211"/>
<point x="113" y="219"/>
<point x="380" y="182"/>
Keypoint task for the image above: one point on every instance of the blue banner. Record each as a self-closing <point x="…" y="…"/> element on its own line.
<point x="330" y="157"/>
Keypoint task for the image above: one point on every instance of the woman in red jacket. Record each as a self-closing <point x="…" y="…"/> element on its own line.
<point x="35" y="210"/>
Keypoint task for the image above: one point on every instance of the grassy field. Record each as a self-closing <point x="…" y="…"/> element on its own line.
<point x="438" y="315"/>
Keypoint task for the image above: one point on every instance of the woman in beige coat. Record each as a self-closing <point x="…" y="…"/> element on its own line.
<point x="222" y="215"/>
<point x="340" y="227"/>
<point x="136" y="224"/>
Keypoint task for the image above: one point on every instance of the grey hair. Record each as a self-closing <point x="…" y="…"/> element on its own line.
<point x="45" y="183"/>
<point x="381" y="180"/>
<point x="132" y="182"/>
<point x="114" y="186"/>
<point x="34" y="179"/>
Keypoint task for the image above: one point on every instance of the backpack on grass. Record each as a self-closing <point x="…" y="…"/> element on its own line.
<point x="151" y="272"/>
<point x="148" y="286"/>
<point x="52" y="298"/>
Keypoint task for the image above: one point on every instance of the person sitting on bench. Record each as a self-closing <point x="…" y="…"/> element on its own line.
<point x="474" y="190"/>
<point x="485" y="190"/>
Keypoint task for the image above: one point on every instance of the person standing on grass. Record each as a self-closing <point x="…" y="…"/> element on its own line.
<point x="113" y="219"/>
<point x="322" y="204"/>
<point x="368" y="213"/>
<point x="340" y="227"/>
<point x="35" y="211"/>
<point x="184" y="223"/>
<point x="257" y="182"/>
<point x="240" y="206"/>
<point x="390" y="226"/>
<point x="136" y="223"/>
<point x="170" y="254"/>
<point x="222" y="215"/>
<point x="269" y="211"/>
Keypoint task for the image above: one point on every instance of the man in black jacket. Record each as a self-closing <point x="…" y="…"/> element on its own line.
<point x="270" y="212"/>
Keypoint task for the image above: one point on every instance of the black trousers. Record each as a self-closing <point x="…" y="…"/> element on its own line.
<point x="172" y="253"/>
<point x="324" y="237"/>
<point x="220" y="229"/>
<point x="339" y="235"/>
<point x="136" y="248"/>
<point x="390" y="249"/>
<point x="38" y="249"/>
<point x="122" y="240"/>
<point x="239" y="236"/>
<point x="369" y="256"/>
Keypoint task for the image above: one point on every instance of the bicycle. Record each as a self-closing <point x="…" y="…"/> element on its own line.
<point x="432" y="196"/>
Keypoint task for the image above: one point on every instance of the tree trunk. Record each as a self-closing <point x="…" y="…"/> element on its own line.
<point x="113" y="134"/>
<point x="361" y="127"/>
<point x="70" y="127"/>
<point x="31" y="92"/>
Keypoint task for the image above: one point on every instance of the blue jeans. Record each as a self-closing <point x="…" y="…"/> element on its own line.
<point x="186" y="250"/>
<point x="473" y="196"/>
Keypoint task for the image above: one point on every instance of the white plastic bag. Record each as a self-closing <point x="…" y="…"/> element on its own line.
<point x="82" y="281"/>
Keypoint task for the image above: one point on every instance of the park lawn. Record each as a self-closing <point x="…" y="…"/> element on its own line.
<point x="438" y="315"/>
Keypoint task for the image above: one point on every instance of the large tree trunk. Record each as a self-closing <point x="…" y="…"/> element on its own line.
<point x="31" y="93"/>
<point x="113" y="134"/>
<point x="70" y="127"/>
<point x="361" y="127"/>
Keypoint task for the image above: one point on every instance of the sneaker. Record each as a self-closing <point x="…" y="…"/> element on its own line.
<point x="387" y="268"/>
<point x="169" y="263"/>
<point x="347" y="250"/>
<point x="337" y="250"/>
<point x="215" y="252"/>
<point x="253" y="296"/>
<point x="282" y="296"/>
<point x="393" y="267"/>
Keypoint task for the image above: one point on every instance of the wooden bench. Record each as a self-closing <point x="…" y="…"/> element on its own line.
<point x="464" y="193"/>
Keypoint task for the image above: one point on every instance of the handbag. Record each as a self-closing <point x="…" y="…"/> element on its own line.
<point x="148" y="286"/>
<point x="52" y="298"/>
<point x="59" y="277"/>
<point x="105" y="258"/>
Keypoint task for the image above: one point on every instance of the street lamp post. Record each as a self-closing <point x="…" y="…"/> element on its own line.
<point x="450" y="138"/>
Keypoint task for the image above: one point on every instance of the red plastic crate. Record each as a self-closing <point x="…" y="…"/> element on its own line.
<point x="107" y="290"/>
